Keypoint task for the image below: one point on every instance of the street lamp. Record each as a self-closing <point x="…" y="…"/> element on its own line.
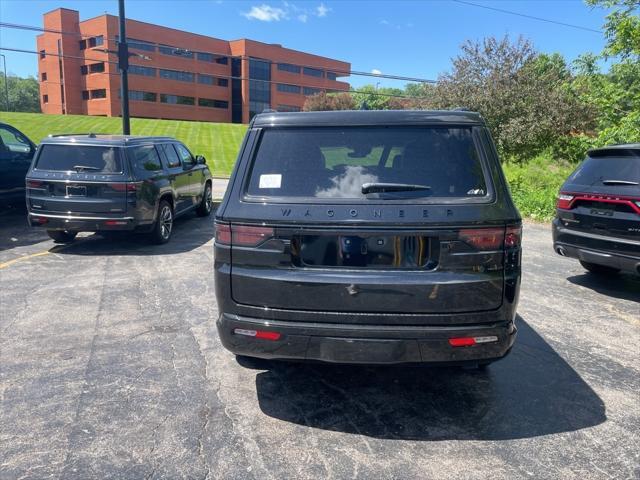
<point x="6" y="80"/>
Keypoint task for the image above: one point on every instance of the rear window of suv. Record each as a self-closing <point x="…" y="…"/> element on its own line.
<point x="610" y="169"/>
<point x="80" y="158"/>
<point x="329" y="162"/>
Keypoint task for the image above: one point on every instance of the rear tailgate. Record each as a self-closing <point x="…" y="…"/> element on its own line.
<point x="415" y="271"/>
<point x="78" y="179"/>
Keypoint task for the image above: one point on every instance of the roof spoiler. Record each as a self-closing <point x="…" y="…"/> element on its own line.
<point x="90" y="135"/>
<point x="614" y="151"/>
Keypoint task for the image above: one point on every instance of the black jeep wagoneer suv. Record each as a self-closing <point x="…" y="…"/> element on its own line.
<point x="368" y="237"/>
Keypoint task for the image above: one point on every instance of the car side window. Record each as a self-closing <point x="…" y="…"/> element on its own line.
<point x="14" y="146"/>
<point x="144" y="160"/>
<point x="185" y="155"/>
<point x="173" y="160"/>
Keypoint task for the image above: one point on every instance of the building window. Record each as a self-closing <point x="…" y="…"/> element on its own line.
<point x="100" y="93"/>
<point x="45" y="98"/>
<point x="84" y="69"/>
<point x="287" y="67"/>
<point x="286" y="88"/>
<point x="142" y="96"/>
<point x="83" y="44"/>
<point x="313" y="72"/>
<point x="141" y="45"/>
<point x="208" y="102"/>
<point x="223" y="82"/>
<point x="44" y="76"/>
<point x="288" y="108"/>
<point x="91" y="42"/>
<point x="176" y="51"/>
<point x="259" y="86"/>
<point x="176" y="75"/>
<point x="85" y="94"/>
<point x="332" y="76"/>
<point x="43" y="54"/>
<point x="210" y="57"/>
<point x="206" y="79"/>
<point x="176" y="99"/>
<point x="222" y="60"/>
<point x="96" y="67"/>
<point x="311" y="90"/>
<point x="140" y="70"/>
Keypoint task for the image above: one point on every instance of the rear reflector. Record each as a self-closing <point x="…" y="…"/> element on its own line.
<point x="483" y="238"/>
<point x="115" y="222"/>
<point x="262" y="334"/>
<point x="470" y="341"/>
<point x="40" y="220"/>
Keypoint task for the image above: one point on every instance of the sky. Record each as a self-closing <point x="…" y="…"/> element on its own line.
<point x="407" y="38"/>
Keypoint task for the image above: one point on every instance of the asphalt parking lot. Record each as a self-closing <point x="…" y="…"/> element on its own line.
<point x="110" y="367"/>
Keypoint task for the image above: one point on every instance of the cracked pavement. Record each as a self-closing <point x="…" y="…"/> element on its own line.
<point x="110" y="367"/>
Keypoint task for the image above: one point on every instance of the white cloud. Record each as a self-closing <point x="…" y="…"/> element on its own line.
<point x="375" y="71"/>
<point x="384" y="22"/>
<point x="303" y="17"/>
<point x="322" y="10"/>
<point x="266" y="13"/>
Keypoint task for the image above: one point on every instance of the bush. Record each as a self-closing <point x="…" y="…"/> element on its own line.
<point x="535" y="185"/>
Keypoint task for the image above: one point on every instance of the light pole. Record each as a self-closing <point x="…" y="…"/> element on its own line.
<point x="123" y="65"/>
<point x="6" y="80"/>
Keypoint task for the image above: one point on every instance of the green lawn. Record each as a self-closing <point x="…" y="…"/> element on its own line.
<point x="218" y="142"/>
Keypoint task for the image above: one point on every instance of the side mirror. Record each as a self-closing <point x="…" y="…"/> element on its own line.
<point x="200" y="160"/>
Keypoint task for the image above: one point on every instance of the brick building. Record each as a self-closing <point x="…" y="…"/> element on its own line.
<point x="183" y="76"/>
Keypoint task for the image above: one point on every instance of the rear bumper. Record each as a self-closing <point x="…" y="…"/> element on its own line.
<point x="367" y="344"/>
<point x="594" y="248"/>
<point x="81" y="223"/>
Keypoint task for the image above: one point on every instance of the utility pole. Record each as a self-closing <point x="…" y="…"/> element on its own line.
<point x="123" y="65"/>
<point x="6" y="80"/>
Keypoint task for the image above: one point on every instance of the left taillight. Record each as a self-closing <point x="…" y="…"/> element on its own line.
<point x="123" y="187"/>
<point x="242" y="235"/>
<point x="564" y="201"/>
<point x="35" y="184"/>
<point x="483" y="238"/>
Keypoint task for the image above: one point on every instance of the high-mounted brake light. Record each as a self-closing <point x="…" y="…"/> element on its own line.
<point x="262" y="334"/>
<point x="564" y="201"/>
<point x="471" y="341"/>
<point x="483" y="238"/>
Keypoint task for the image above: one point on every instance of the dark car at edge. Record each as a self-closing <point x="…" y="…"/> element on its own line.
<point x="598" y="211"/>
<point x="16" y="153"/>
<point x="368" y="237"/>
<point x="104" y="183"/>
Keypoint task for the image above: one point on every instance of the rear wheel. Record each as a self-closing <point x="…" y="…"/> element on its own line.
<point x="164" y="224"/>
<point x="62" y="236"/>
<point x="599" y="269"/>
<point x="204" y="209"/>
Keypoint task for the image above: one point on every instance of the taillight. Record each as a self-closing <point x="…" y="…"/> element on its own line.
<point x="564" y="201"/>
<point x="34" y="184"/>
<point x="242" y="235"/>
<point x="513" y="236"/>
<point x="123" y="187"/>
<point x="262" y="334"/>
<point x="483" y="238"/>
<point x="471" y="341"/>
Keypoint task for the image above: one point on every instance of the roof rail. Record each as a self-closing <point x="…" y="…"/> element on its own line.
<point x="269" y="110"/>
<point x="55" y="135"/>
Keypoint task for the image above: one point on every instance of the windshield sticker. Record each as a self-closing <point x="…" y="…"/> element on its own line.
<point x="270" y="181"/>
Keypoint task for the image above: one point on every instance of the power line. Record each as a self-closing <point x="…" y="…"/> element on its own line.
<point x="540" y="19"/>
<point x="229" y="77"/>
<point x="247" y="57"/>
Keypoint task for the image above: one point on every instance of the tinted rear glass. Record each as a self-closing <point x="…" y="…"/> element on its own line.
<point x="87" y="159"/>
<point x="336" y="162"/>
<point x="595" y="171"/>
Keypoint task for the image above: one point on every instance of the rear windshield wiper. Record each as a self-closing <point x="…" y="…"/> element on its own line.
<point x="392" y="187"/>
<point x="619" y="182"/>
<point x="79" y="168"/>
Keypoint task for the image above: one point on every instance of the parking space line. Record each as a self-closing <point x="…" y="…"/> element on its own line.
<point x="26" y="257"/>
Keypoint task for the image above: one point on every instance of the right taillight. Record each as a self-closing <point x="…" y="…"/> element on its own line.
<point x="242" y="235"/>
<point x="564" y="201"/>
<point x="483" y="238"/>
<point x="513" y="236"/>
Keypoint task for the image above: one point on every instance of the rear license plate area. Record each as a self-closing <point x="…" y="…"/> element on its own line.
<point x="76" y="191"/>
<point x="363" y="251"/>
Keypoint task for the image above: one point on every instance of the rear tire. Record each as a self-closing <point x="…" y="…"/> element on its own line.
<point x="62" y="236"/>
<point x="163" y="227"/>
<point x="206" y="205"/>
<point x="599" y="269"/>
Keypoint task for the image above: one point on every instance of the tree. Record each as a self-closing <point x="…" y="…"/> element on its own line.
<point x="329" y="101"/>
<point x="521" y="94"/>
<point x="375" y="98"/>
<point x="24" y="94"/>
<point x="622" y="27"/>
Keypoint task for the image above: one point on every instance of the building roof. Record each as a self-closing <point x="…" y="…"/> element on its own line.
<point x="103" y="139"/>
<point x="368" y="117"/>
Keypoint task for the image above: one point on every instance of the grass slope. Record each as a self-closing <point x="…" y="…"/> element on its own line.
<point x="218" y="142"/>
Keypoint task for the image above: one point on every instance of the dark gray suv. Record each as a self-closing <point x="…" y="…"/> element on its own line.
<point x="99" y="183"/>
<point x="368" y="237"/>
